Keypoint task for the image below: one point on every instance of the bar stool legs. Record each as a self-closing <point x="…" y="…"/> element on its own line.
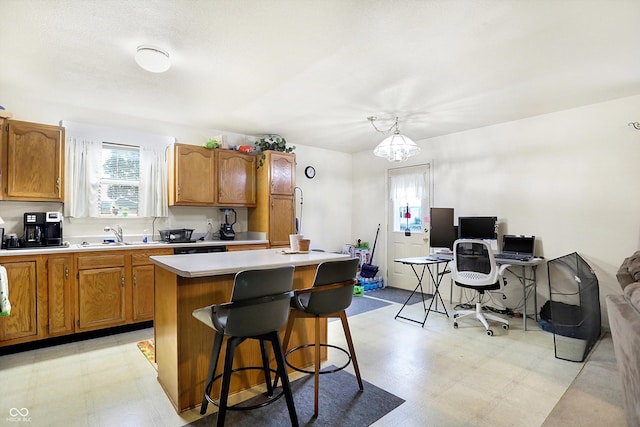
<point x="232" y="343"/>
<point x="295" y="314"/>
<point x="213" y="362"/>
<point x="352" y="349"/>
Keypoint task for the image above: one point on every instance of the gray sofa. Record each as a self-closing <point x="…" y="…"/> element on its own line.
<point x="624" y="320"/>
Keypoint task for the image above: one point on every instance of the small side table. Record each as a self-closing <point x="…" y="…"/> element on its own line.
<point x="427" y="264"/>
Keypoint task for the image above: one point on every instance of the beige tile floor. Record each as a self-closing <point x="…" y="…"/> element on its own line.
<point x="448" y="377"/>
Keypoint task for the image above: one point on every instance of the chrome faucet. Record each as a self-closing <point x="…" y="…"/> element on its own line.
<point x="117" y="230"/>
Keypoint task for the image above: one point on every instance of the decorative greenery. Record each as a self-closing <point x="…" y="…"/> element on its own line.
<point x="212" y="143"/>
<point x="274" y="143"/>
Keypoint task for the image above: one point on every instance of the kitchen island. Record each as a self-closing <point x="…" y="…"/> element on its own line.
<point x="183" y="344"/>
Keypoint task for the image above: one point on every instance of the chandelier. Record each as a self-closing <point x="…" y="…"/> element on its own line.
<point x="397" y="147"/>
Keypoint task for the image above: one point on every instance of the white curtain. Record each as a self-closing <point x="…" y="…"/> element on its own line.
<point x="83" y="164"/>
<point x="153" y="182"/>
<point x="408" y="186"/>
<point x="82" y="177"/>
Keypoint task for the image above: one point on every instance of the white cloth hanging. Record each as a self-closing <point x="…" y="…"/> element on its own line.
<point x="5" y="305"/>
<point x="408" y="186"/>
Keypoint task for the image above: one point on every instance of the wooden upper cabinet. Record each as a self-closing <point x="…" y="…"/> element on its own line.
<point x="236" y="178"/>
<point x="282" y="167"/>
<point x="192" y="181"/>
<point x="207" y="177"/>
<point x="275" y="211"/>
<point x="32" y="162"/>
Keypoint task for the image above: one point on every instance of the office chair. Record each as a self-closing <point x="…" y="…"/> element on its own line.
<point x="329" y="297"/>
<point x="258" y="309"/>
<point x="475" y="268"/>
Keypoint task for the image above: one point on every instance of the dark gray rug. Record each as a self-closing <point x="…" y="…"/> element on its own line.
<point x="397" y="295"/>
<point x="361" y="305"/>
<point x="341" y="404"/>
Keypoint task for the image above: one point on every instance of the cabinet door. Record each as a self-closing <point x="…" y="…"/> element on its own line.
<point x="236" y="179"/>
<point x="101" y="298"/>
<point x="34" y="168"/>
<point x="59" y="277"/>
<point x="22" y="322"/>
<point x="194" y="176"/>
<point x="283" y="173"/>
<point x="143" y="290"/>
<point x="281" y="220"/>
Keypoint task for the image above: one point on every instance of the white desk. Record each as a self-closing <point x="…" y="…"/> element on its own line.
<point x="526" y="274"/>
<point x="427" y="263"/>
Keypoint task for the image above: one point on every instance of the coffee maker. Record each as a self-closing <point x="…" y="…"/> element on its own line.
<point x="34" y="225"/>
<point x="42" y="229"/>
<point x="53" y="229"/>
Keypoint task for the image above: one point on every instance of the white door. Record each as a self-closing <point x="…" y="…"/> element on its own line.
<point x="407" y="218"/>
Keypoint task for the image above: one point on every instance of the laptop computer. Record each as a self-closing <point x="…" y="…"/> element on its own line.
<point x="517" y="247"/>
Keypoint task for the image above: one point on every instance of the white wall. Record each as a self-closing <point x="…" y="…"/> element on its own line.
<point x="328" y="198"/>
<point x="570" y="178"/>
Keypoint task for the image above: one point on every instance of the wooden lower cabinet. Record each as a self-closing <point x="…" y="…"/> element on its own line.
<point x="23" y="287"/>
<point x="60" y="294"/>
<point x="143" y="292"/>
<point x="101" y="298"/>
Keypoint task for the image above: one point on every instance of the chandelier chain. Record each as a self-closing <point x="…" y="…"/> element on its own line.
<point x="372" y="119"/>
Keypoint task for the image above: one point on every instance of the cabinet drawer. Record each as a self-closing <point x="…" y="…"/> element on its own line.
<point x="142" y="258"/>
<point x="95" y="260"/>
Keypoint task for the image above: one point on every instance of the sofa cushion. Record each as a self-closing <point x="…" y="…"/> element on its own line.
<point x="634" y="266"/>
<point x="632" y="295"/>
<point x="623" y="275"/>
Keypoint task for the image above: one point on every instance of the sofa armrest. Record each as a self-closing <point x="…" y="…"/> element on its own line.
<point x="624" y="321"/>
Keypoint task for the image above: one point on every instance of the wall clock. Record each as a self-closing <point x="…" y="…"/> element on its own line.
<point x="310" y="172"/>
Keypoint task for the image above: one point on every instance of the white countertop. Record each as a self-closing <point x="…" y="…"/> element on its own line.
<point x="133" y="245"/>
<point x="215" y="264"/>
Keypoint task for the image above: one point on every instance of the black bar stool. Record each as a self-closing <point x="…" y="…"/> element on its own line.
<point x="329" y="297"/>
<point x="259" y="307"/>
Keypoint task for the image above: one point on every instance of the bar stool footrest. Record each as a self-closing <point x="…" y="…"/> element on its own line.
<point x="238" y="406"/>
<point x="322" y="371"/>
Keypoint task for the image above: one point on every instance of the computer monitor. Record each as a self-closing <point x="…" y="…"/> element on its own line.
<point x="442" y="232"/>
<point x="478" y="227"/>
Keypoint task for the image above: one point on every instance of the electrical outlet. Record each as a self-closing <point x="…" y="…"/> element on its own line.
<point x="210" y="222"/>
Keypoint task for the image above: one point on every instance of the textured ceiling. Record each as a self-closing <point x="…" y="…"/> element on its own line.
<point x="313" y="71"/>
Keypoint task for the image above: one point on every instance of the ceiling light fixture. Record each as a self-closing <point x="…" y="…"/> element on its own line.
<point x="153" y="59"/>
<point x="397" y="147"/>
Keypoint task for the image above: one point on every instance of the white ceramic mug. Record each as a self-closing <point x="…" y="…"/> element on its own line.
<point x="293" y="241"/>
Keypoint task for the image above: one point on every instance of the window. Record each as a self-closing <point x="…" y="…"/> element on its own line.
<point x="119" y="180"/>
<point x="409" y="217"/>
<point x="409" y="196"/>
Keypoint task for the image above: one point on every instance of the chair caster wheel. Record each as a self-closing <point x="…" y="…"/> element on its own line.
<point x="489" y="332"/>
<point x="455" y="325"/>
<point x="505" y="326"/>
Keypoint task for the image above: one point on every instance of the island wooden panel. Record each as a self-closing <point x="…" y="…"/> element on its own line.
<point x="183" y="344"/>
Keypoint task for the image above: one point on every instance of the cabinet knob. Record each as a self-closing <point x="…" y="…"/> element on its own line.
<point x="66" y="272"/>
<point x="122" y="278"/>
